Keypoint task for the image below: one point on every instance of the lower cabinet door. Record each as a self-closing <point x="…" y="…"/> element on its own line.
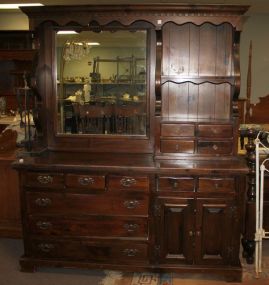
<point x="215" y="230"/>
<point x="175" y="233"/>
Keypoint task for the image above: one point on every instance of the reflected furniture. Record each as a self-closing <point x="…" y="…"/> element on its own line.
<point x="146" y="178"/>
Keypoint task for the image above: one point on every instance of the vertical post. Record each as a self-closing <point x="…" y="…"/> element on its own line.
<point x="248" y="240"/>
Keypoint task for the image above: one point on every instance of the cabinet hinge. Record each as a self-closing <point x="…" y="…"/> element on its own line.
<point x="157" y="210"/>
<point x="157" y="250"/>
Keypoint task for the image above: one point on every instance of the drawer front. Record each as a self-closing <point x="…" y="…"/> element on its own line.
<point x="215" y="131"/>
<point x="127" y="252"/>
<point x="82" y="204"/>
<point x="128" y="183"/>
<point x="216" y="184"/>
<point x="215" y="147"/>
<point x="96" y="182"/>
<point x="176" y="184"/>
<point x="177" y="146"/>
<point x="39" y="179"/>
<point x="98" y="226"/>
<point x="177" y="130"/>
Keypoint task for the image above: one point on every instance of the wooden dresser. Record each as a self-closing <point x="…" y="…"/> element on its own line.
<point x="141" y="172"/>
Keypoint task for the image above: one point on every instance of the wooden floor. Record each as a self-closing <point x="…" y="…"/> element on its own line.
<point x="12" y="249"/>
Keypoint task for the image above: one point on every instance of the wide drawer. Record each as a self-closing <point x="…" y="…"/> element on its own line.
<point x="96" y="182"/>
<point x="98" y="226"/>
<point x="216" y="184"/>
<point x="41" y="179"/>
<point x="216" y="131"/>
<point x="79" y="204"/>
<point x="177" y="130"/>
<point x="176" y="184"/>
<point x="124" y="251"/>
<point x="116" y="182"/>
<point x="177" y="146"/>
<point x="215" y="147"/>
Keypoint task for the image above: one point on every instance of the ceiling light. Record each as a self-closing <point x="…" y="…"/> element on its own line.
<point x="93" y="44"/>
<point x="17" y="6"/>
<point x="66" y="32"/>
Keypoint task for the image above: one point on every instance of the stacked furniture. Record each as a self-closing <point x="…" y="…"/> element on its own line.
<point x="169" y="200"/>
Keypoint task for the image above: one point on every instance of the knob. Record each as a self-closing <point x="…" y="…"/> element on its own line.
<point x="131" y="204"/>
<point x="85" y="180"/>
<point x="127" y="181"/>
<point x="215" y="147"/>
<point x="43" y="225"/>
<point x="130" y="252"/>
<point x="44" y="179"/>
<point x="46" y="247"/>
<point x="131" y="227"/>
<point x="43" y="202"/>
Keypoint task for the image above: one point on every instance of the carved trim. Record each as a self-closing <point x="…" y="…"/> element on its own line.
<point x="127" y="14"/>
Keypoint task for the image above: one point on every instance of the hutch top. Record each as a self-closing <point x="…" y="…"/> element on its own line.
<point x="137" y="113"/>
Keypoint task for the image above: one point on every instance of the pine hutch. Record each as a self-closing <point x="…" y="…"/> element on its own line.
<point x="140" y="169"/>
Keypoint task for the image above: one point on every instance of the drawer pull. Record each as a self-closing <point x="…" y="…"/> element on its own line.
<point x="130" y="252"/>
<point x="216" y="185"/>
<point x="191" y="233"/>
<point x="127" y="181"/>
<point x="43" y="202"/>
<point x="215" y="147"/>
<point x="131" y="227"/>
<point x="131" y="204"/>
<point x="43" y="225"/>
<point x="46" y="247"/>
<point x="85" y="180"/>
<point x="44" y="179"/>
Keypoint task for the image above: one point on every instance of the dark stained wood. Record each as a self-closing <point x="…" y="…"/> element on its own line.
<point x="152" y="202"/>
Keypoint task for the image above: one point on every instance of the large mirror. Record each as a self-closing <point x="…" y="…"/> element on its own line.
<point x="101" y="82"/>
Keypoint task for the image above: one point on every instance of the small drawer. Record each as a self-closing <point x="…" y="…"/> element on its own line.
<point x="215" y="147"/>
<point x="81" y="204"/>
<point x="116" y="182"/>
<point x="216" y="184"/>
<point x="90" y="250"/>
<point x="98" y="226"/>
<point x="215" y="131"/>
<point x="176" y="184"/>
<point x="95" y="182"/>
<point x="39" y="179"/>
<point x="177" y="130"/>
<point x="177" y="146"/>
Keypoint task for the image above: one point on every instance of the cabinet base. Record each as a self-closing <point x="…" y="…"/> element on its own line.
<point x="229" y="273"/>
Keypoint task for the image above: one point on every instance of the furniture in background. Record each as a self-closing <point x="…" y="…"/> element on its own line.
<point x="256" y="119"/>
<point x="170" y="198"/>
<point x="10" y="217"/>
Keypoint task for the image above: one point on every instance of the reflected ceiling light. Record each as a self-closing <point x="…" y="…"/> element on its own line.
<point x="17" y="6"/>
<point x="66" y="32"/>
<point x="93" y="44"/>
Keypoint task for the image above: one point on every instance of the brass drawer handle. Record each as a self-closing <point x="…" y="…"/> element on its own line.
<point x="127" y="181"/>
<point x="43" y="202"/>
<point x="85" y="180"/>
<point x="130" y="252"/>
<point x="46" y="247"/>
<point x="43" y="225"/>
<point x="131" y="227"/>
<point x="44" y="179"/>
<point x="131" y="204"/>
<point x="215" y="147"/>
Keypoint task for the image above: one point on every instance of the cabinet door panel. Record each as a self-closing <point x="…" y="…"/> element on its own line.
<point x="214" y="230"/>
<point x="175" y="230"/>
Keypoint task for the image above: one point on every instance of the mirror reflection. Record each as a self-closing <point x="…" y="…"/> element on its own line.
<point x="101" y="82"/>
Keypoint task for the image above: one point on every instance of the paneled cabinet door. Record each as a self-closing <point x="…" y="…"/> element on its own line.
<point x="175" y="229"/>
<point x="215" y="227"/>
